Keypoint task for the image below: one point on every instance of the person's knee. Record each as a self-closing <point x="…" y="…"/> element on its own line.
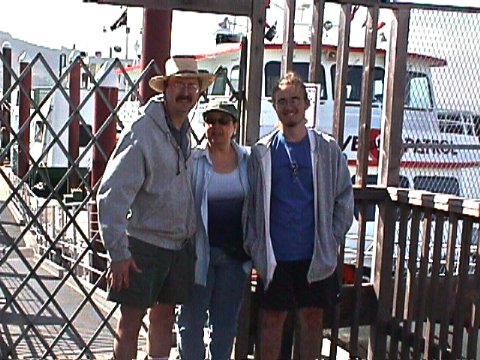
<point x="311" y="318"/>
<point x="130" y="321"/>
<point x="162" y="315"/>
<point x="273" y="319"/>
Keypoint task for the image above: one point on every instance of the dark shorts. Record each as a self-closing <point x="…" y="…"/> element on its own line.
<point x="166" y="277"/>
<point x="290" y="289"/>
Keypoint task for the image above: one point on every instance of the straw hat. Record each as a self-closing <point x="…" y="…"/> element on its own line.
<point x="181" y="66"/>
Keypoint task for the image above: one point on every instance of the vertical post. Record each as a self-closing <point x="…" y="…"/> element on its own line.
<point x="74" y="127"/>
<point x="106" y="133"/>
<point x="369" y="56"/>
<point x="242" y="89"/>
<point x="24" y="116"/>
<point x="367" y="95"/>
<point x="392" y="141"/>
<point x="62" y="61"/>
<point x="127" y="31"/>
<point x="288" y="44"/>
<point x="157" y="27"/>
<point x="343" y="52"/>
<point x="6" y="105"/>
<point x="389" y="168"/>
<point x="315" y="70"/>
<point x="106" y="140"/>
<point x="255" y="74"/>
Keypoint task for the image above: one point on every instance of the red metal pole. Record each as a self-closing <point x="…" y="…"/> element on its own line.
<point x="157" y="29"/>
<point x="74" y="127"/>
<point x="7" y="82"/>
<point x="24" y="119"/>
<point x="106" y="141"/>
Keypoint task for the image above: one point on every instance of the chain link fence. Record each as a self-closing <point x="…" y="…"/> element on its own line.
<point x="442" y="113"/>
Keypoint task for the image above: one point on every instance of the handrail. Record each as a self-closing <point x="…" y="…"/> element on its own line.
<point x="443" y="202"/>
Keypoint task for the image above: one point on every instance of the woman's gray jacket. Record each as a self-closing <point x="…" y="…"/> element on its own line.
<point x="333" y="204"/>
<point x="145" y="191"/>
<point x="202" y="173"/>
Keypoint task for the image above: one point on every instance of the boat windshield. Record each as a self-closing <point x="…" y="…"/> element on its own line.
<point x="418" y="91"/>
<point x="272" y="75"/>
<point x="354" y="82"/>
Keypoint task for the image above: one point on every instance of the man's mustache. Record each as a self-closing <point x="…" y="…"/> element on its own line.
<point x="183" y="97"/>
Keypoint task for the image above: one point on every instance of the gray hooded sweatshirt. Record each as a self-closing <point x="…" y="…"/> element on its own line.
<point x="146" y="189"/>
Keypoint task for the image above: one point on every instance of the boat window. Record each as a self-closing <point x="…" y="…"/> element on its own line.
<point x="354" y="82"/>
<point x="38" y="95"/>
<point x="84" y="135"/>
<point x="418" y="91"/>
<point x="235" y="77"/>
<point x="272" y="75"/>
<point x="220" y="85"/>
<point x="38" y="131"/>
<point x="456" y="122"/>
<point x="372" y="180"/>
<point x="437" y="184"/>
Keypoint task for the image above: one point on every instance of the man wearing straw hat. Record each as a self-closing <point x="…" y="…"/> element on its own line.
<point x="146" y="212"/>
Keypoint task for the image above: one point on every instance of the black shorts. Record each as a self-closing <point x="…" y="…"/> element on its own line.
<point x="166" y="277"/>
<point x="290" y="289"/>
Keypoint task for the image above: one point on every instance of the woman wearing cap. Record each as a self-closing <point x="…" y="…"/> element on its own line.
<point x="222" y="268"/>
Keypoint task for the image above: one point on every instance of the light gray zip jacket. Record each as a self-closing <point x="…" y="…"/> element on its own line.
<point x="333" y="203"/>
<point x="146" y="190"/>
<point x="202" y="173"/>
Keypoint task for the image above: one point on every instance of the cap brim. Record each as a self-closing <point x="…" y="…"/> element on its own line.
<point x="157" y="83"/>
<point x="205" y="113"/>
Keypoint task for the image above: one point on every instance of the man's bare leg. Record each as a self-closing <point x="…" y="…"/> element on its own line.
<point x="311" y="333"/>
<point x="162" y="317"/>
<point x="271" y="333"/>
<point x="128" y="327"/>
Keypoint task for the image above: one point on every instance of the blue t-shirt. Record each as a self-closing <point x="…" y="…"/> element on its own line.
<point x="292" y="224"/>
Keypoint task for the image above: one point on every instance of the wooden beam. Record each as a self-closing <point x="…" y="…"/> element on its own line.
<point x="392" y="142"/>
<point x="288" y="44"/>
<point x="362" y="155"/>
<point x="409" y="5"/>
<point x="255" y="75"/>
<point x="389" y="170"/>
<point x="315" y="71"/>
<point x="367" y="95"/>
<point x="239" y="7"/>
<point x="343" y="52"/>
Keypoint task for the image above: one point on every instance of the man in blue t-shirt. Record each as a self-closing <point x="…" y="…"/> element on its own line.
<point x="300" y="209"/>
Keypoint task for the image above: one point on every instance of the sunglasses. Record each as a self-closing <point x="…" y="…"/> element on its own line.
<point x="222" y="121"/>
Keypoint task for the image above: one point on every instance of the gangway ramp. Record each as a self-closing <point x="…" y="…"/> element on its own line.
<point x="43" y="312"/>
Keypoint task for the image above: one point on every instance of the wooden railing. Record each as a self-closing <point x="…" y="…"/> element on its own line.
<point x="429" y="306"/>
<point x="434" y="294"/>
